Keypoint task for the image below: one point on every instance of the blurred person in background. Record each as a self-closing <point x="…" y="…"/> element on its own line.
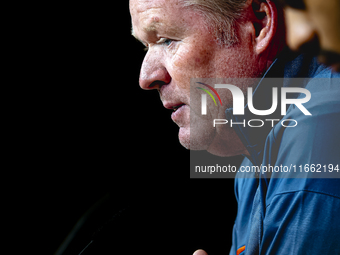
<point x="314" y="26"/>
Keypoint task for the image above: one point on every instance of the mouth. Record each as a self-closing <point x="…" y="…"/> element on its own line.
<point x="178" y="110"/>
<point x="175" y="108"/>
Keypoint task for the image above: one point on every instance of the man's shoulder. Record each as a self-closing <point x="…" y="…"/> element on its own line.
<point x="324" y="104"/>
<point x="309" y="149"/>
<point x="319" y="188"/>
<point x="324" y="89"/>
<point x="310" y="139"/>
<point x="323" y="107"/>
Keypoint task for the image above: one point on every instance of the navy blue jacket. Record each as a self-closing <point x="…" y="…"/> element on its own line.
<point x="297" y="211"/>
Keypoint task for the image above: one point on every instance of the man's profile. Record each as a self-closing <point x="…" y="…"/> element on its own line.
<point x="184" y="41"/>
<point x="240" y="40"/>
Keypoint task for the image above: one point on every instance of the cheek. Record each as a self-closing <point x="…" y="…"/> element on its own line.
<point x="189" y="62"/>
<point x="193" y="57"/>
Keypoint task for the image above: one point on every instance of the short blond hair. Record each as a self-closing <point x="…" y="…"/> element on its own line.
<point x="221" y="16"/>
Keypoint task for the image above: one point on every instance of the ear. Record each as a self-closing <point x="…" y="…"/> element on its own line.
<point x="265" y="23"/>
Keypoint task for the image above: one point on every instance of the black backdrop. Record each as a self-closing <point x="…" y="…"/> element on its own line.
<point x="98" y="137"/>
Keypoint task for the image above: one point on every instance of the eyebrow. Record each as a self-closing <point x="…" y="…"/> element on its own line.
<point x="152" y="27"/>
<point x="147" y="29"/>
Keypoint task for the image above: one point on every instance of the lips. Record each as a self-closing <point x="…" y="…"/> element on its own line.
<point x="178" y="108"/>
<point x="173" y="106"/>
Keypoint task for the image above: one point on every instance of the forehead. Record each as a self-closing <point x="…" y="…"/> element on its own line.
<point x="145" y="5"/>
<point x="152" y="15"/>
<point x="140" y="6"/>
<point x="153" y="11"/>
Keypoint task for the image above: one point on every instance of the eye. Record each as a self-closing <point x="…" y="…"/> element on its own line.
<point x="165" y="41"/>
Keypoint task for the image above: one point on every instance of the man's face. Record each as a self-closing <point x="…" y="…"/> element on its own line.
<point x="314" y="25"/>
<point x="180" y="47"/>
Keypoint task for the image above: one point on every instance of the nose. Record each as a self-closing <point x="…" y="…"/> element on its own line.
<point x="153" y="73"/>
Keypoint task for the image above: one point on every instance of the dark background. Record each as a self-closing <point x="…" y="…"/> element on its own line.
<point x="91" y="134"/>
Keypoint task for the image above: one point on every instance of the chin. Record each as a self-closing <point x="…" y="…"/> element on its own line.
<point x="184" y="137"/>
<point x="197" y="140"/>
